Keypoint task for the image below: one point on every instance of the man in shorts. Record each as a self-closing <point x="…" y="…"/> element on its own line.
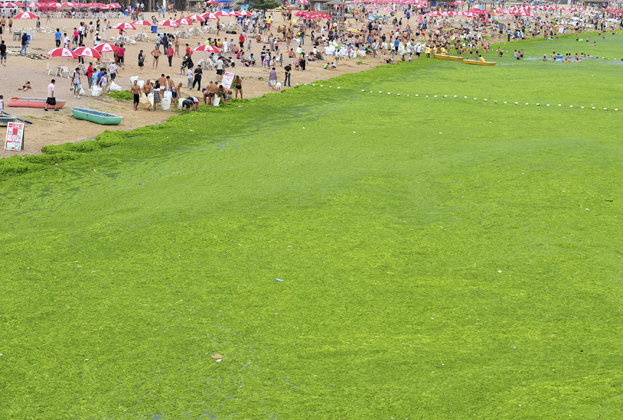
<point x="220" y="70"/>
<point x="51" y="98"/>
<point x="136" y="94"/>
<point x="189" y="103"/>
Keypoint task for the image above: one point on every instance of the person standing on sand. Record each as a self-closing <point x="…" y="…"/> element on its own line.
<point x="147" y="90"/>
<point x="2" y="54"/>
<point x="51" y="98"/>
<point x="288" y="70"/>
<point x="170" y="53"/>
<point x="197" y="80"/>
<point x="75" y="81"/>
<point x="90" y="75"/>
<point x="156" y="54"/>
<point x="141" y="60"/>
<point x="238" y="86"/>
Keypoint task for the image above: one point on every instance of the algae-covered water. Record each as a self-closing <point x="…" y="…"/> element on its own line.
<point x="349" y="254"/>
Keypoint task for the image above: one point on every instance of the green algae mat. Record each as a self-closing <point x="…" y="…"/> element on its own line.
<point x="330" y="253"/>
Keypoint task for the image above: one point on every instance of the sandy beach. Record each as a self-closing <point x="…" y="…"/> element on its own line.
<point x="61" y="127"/>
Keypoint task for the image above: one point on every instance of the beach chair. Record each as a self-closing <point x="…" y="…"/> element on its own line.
<point x="48" y="69"/>
<point x="64" y="71"/>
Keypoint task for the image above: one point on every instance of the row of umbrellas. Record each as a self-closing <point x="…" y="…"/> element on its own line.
<point x="97" y="52"/>
<point x="62" y="5"/>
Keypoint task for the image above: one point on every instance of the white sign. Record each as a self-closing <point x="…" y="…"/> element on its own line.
<point x="228" y="79"/>
<point x="14" y="136"/>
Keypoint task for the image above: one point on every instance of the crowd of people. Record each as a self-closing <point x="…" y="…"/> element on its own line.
<point x="290" y="44"/>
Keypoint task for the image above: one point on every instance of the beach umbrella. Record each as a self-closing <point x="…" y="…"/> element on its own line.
<point x="245" y="13"/>
<point x="87" y="52"/>
<point x="169" y="23"/>
<point x="115" y="5"/>
<point x="26" y="15"/>
<point x="209" y="15"/>
<point x="142" y="22"/>
<point x="95" y="5"/>
<point x="124" y="25"/>
<point x="457" y="3"/>
<point x="34" y="5"/>
<point x="62" y="52"/>
<point x="184" y="21"/>
<point x="106" y="47"/>
<point x="303" y="2"/>
<point x="220" y="13"/>
<point x="207" y="48"/>
<point x="198" y="18"/>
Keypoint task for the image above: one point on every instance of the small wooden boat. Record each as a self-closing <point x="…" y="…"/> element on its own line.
<point x="479" y="63"/>
<point x="96" y="116"/>
<point x="448" y="57"/>
<point x="33" y="103"/>
<point x="5" y="119"/>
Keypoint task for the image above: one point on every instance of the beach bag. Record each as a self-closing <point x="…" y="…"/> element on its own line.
<point x="150" y="97"/>
<point x="217" y="100"/>
<point x="82" y="92"/>
<point x="180" y="103"/>
<point x="132" y="79"/>
<point x="168" y="95"/>
<point x="140" y="83"/>
<point x="165" y="104"/>
<point x="115" y="87"/>
<point x="96" y="91"/>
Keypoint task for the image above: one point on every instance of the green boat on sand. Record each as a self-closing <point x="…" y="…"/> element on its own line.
<point x="96" y="116"/>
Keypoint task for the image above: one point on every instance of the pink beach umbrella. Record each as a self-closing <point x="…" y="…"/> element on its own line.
<point x="207" y="48"/>
<point x="62" y="52"/>
<point x="210" y="16"/>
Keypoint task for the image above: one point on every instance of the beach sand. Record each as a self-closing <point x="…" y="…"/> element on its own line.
<point x="60" y="127"/>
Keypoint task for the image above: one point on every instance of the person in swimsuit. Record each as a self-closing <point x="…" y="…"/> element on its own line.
<point x="25" y="87"/>
<point x="136" y="94"/>
<point x="238" y="86"/>
<point x="147" y="91"/>
<point x="212" y="89"/>
<point x="156" y="54"/>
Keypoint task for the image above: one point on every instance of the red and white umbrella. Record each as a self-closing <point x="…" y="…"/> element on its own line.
<point x="198" y="18"/>
<point x="115" y="5"/>
<point x="106" y="47"/>
<point x="303" y="2"/>
<point x="95" y="5"/>
<point x="168" y="22"/>
<point x="142" y="22"/>
<point x="184" y="21"/>
<point x="207" y="48"/>
<point x="124" y="25"/>
<point x="62" y="52"/>
<point x="26" y="15"/>
<point x="223" y="14"/>
<point x="209" y="15"/>
<point x="457" y="3"/>
<point x="34" y="5"/>
<point x="87" y="52"/>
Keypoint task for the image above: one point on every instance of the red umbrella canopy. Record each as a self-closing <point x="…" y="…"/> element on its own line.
<point x="207" y="48"/>
<point x="223" y="14"/>
<point x="87" y="52"/>
<point x="168" y="22"/>
<point x="115" y="5"/>
<point x="106" y="47"/>
<point x="34" y="5"/>
<point x="26" y="15"/>
<point x="95" y="5"/>
<point x="244" y="13"/>
<point x="209" y="15"/>
<point x="184" y="21"/>
<point x="124" y="25"/>
<point x="142" y="22"/>
<point x="196" y="17"/>
<point x="62" y="52"/>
